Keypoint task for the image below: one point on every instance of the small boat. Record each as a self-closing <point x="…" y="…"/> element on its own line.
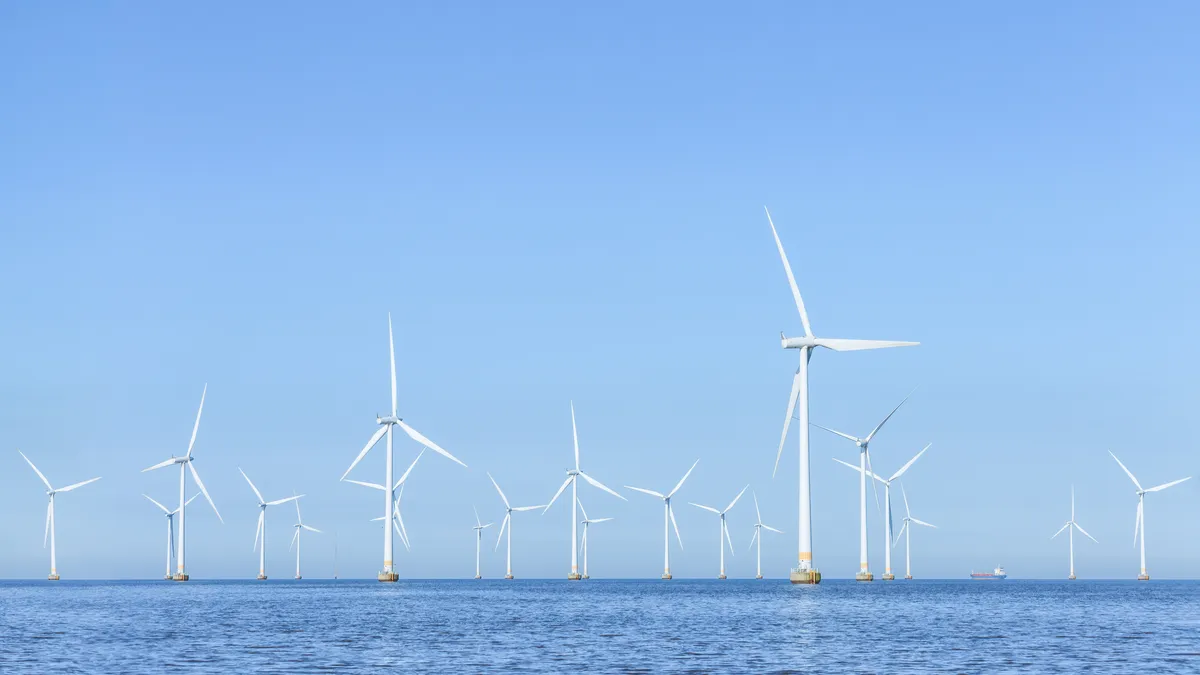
<point x="997" y="573"/>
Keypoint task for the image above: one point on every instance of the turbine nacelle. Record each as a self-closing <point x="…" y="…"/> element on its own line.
<point x="387" y="419"/>
<point x="796" y="342"/>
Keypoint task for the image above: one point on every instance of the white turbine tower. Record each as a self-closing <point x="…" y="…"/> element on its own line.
<point x="806" y="572"/>
<point x="906" y="530"/>
<point x="758" y="527"/>
<point x="1071" y="526"/>
<point x="507" y="523"/>
<point x="50" y="492"/>
<point x="1140" y="523"/>
<point x="724" y="534"/>
<point x="170" y="531"/>
<point x="260" y="530"/>
<point x="185" y="465"/>
<point x="296" y="537"/>
<point x="479" y="528"/>
<point x="573" y="475"/>
<point x="583" y="546"/>
<point x="669" y="514"/>
<point x="386" y="423"/>
<point x="887" y="487"/>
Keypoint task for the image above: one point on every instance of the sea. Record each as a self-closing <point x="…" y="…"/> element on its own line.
<point x="602" y="626"/>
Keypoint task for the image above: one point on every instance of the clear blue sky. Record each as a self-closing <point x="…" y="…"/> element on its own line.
<point x="563" y="202"/>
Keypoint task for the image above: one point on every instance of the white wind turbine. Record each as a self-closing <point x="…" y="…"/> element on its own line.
<point x="260" y="530"/>
<point x="583" y="546"/>
<point x="1071" y="526"/>
<point x="724" y="528"/>
<point x="1140" y="523"/>
<point x="186" y="461"/>
<point x="386" y="423"/>
<point x="50" y="492"/>
<point x="805" y="572"/>
<point x="573" y="475"/>
<point x="296" y="537"/>
<point x="887" y="487"/>
<point x="170" y="530"/>
<point x="507" y="523"/>
<point x="479" y="528"/>
<point x="669" y="514"/>
<point x="758" y="527"/>
<point x="906" y="530"/>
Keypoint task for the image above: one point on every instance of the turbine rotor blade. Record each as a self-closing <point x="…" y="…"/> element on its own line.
<point x="409" y="470"/>
<point x="376" y="486"/>
<point x="790" y="277"/>
<point x="841" y="345"/>
<point x="735" y="499"/>
<point x="1127" y="471"/>
<point x="506" y="505"/>
<point x="787" y="421"/>
<point x="757" y="513"/>
<point x="560" y="491"/>
<point x="311" y="529"/>
<point x="160" y="465"/>
<point x="768" y="527"/>
<point x="503" y="524"/>
<point x="416" y="436"/>
<point x="258" y="529"/>
<point x="921" y="522"/>
<point x="575" y="435"/>
<point x="196" y="427"/>
<point x="1156" y="488"/>
<point x="46" y="536"/>
<point x="889" y="416"/>
<point x="596" y="483"/>
<point x="1083" y="532"/>
<point x="392" y="357"/>
<point x="910" y="463"/>
<point x="835" y="431"/>
<point x="1060" y="531"/>
<point x="706" y="508"/>
<point x="165" y="509"/>
<point x="256" y="492"/>
<point x="39" y="473"/>
<point x="671" y="511"/>
<point x="200" y="484"/>
<point x="649" y="492"/>
<point x="366" y="448"/>
<point x="685" y="477"/>
<point x="91" y="480"/>
<point x="284" y="500"/>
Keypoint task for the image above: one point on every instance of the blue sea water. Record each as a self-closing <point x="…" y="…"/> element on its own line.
<point x="555" y="626"/>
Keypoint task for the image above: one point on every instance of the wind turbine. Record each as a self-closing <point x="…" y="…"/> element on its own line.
<point x="573" y="476"/>
<point x="906" y="530"/>
<point x="1140" y="523"/>
<point x="887" y="487"/>
<point x="479" y="528"/>
<point x="724" y="528"/>
<point x="583" y="546"/>
<point x="758" y="527"/>
<point x="386" y="423"/>
<point x="805" y="572"/>
<point x="296" y="537"/>
<point x="507" y="523"/>
<point x="50" y="492"/>
<point x="186" y="461"/>
<point x="170" y="530"/>
<point x="669" y="514"/>
<point x="397" y="519"/>
<point x="260" y="531"/>
<point x="1070" y="527"/>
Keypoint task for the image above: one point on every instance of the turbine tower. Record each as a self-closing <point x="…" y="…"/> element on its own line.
<point x="1070" y="527"/>
<point x="758" y="527"/>
<point x="669" y="514"/>
<point x="1139" y="525"/>
<point x="386" y="423"/>
<point x="185" y="462"/>
<point x="573" y="475"/>
<point x="583" y="546"/>
<point x="724" y="535"/>
<point x="170" y="531"/>
<point x="260" y="531"/>
<point x="906" y="530"/>
<point x="507" y="523"/>
<point x="50" y="492"/>
<point x="479" y="528"/>
<point x="296" y="538"/>
<point x="805" y="571"/>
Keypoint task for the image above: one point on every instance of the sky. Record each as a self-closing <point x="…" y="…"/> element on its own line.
<point x="558" y="203"/>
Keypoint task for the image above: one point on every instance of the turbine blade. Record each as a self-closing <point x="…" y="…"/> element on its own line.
<point x="839" y="345"/>
<point x="284" y="500"/>
<point x="1127" y="471"/>
<point x="600" y="520"/>
<point x="889" y="416"/>
<point x="478" y="522"/>
<point x="905" y="495"/>
<point x="921" y="522"/>
<point x="706" y="508"/>
<point x="874" y="488"/>
<point x="165" y="509"/>
<point x="400" y="533"/>
<point x="392" y="358"/>
<point x="370" y="444"/>
<point x="376" y="486"/>
<point x="416" y="436"/>
<point x="311" y="529"/>
<point x="196" y="427"/>
<point x="649" y="492"/>
<point x="757" y="513"/>
<point x="258" y="529"/>
<point x="596" y="483"/>
<point x="735" y="499"/>
<point x="256" y="492"/>
<point x="835" y="431"/>
<point x="489" y="475"/>
<point x="93" y="480"/>
<point x="685" y="477"/>
<point x="409" y="469"/>
<point x="294" y="538"/>
<point x="1137" y="524"/>
<point x="900" y="533"/>
<point x="160" y="465"/>
<point x="39" y="473"/>
<point x="1060" y="531"/>
<point x="910" y="463"/>
<point x="787" y="420"/>
<point x="671" y="510"/>
<point x="1083" y="532"/>
<point x="728" y="540"/>
<point x="503" y="524"/>
<point x="46" y="536"/>
<point x="752" y="539"/>
<point x="560" y="491"/>
<point x="768" y="527"/>
<point x="530" y="508"/>
<point x="1156" y="488"/>
<point x="403" y="531"/>
<point x="856" y="468"/>
<point x="200" y="484"/>
<point x="790" y="277"/>
<point x="575" y="435"/>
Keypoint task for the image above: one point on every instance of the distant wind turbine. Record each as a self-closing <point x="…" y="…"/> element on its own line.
<point x="260" y="531"/>
<point x="507" y="523"/>
<point x="1070" y="527"/>
<point x="583" y="546"/>
<point x="170" y="530"/>
<point x="50" y="493"/>
<point x="668" y="515"/>
<point x="906" y="530"/>
<point x="296" y="539"/>
<point x="479" y="528"/>
<point x="1140" y="523"/>
<point x="724" y="527"/>
<point x="758" y="527"/>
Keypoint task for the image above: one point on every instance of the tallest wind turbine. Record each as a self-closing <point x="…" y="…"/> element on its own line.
<point x="805" y="572"/>
<point x="386" y="423"/>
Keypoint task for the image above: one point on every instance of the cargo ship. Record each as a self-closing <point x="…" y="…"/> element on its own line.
<point x="997" y="573"/>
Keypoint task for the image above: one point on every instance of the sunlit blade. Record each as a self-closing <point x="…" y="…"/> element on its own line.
<point x="376" y="520"/>
<point x="560" y="491"/>
<point x="787" y="420"/>
<point x="1156" y="488"/>
<point x="489" y="475"/>
<point x="791" y="278"/>
<point x="685" y="477"/>
<point x="905" y="496"/>
<point x="311" y="529"/>
<point x="899" y="534"/>
<point x="39" y="473"/>
<point x="503" y="524"/>
<point x="196" y="427"/>
<point x="768" y="527"/>
<point x="366" y="448"/>
<point x="871" y="472"/>
<point x="581" y="509"/>
<point x="859" y="469"/>
<point x="1127" y="471"/>
<point x="531" y="508"/>
<point x="575" y="435"/>
<point x="752" y="539"/>
<point x="416" y="436"/>
<point x="258" y="529"/>
<point x="1061" y="530"/>
<point x="93" y="480"/>
<point x="649" y="492"/>
<point x="1137" y="523"/>
<point x="392" y="357"/>
<point x="757" y="513"/>
<point x="403" y="532"/>
<point x="200" y="484"/>
<point x="921" y="522"/>
<point x="728" y="540"/>
<point x="671" y="510"/>
<point x="256" y="492"/>
<point x="600" y="485"/>
<point x="400" y="533"/>
<point x="910" y="463"/>
<point x="1084" y="532"/>
<point x="298" y="518"/>
<point x="889" y="416"/>
<point x="835" y="431"/>
<point x="294" y="538"/>
<point x="284" y="500"/>
<point x="152" y="500"/>
<point x="601" y="520"/>
<point x="706" y="508"/>
<point x="409" y="469"/>
<point x="484" y="527"/>
<point x="376" y="486"/>
<point x="46" y="536"/>
<point x="160" y="465"/>
<point x="735" y="499"/>
<point x="839" y="345"/>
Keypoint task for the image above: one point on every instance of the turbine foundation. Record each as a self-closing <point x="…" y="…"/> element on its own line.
<point x="864" y="576"/>
<point x="722" y="577"/>
<point x="167" y="578"/>
<point x="52" y="577"/>
<point x="888" y="577"/>
<point x="508" y="576"/>
<point x="478" y="577"/>
<point x="180" y="576"/>
<point x="908" y="577"/>
<point x="1143" y="577"/>
<point x="802" y="576"/>
<point x="573" y="576"/>
<point x="666" y="576"/>
<point x="758" y="577"/>
<point x="586" y="577"/>
<point x="1071" y="578"/>
<point x="261" y="577"/>
<point x="298" y="577"/>
<point x="389" y="577"/>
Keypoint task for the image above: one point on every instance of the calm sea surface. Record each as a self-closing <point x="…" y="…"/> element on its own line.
<point x="601" y="626"/>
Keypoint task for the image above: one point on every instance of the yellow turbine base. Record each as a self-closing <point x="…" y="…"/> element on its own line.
<point x="508" y="576"/>
<point x="888" y="577"/>
<point x="52" y="577"/>
<point x="261" y="577"/>
<point x="721" y="577"/>
<point x="180" y="576"/>
<point x="799" y="576"/>
<point x="573" y="576"/>
<point x="864" y="576"/>
<point x="1143" y="577"/>
<point x="666" y="576"/>
<point x="908" y="577"/>
<point x="388" y="577"/>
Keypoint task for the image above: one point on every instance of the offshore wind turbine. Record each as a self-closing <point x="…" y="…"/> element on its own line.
<point x="388" y="573"/>
<point x="573" y="476"/>
<point x="260" y="531"/>
<point x="758" y="527"/>
<point x="170" y="530"/>
<point x="1140" y="523"/>
<point x="479" y="528"/>
<point x="186" y="462"/>
<point x="296" y="537"/>
<point x="723" y="537"/>
<point x="805" y="571"/>
<point x="507" y="523"/>
<point x="1070" y="527"/>
<point x="669" y="514"/>
<point x="50" y="492"/>
<point x="583" y="546"/>
<point x="887" y="487"/>
<point x="906" y="530"/>
<point x="396" y="492"/>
